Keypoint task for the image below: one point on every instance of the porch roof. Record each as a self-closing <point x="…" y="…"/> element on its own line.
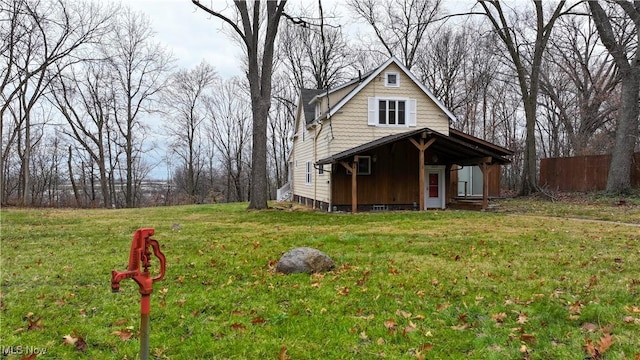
<point x="457" y="148"/>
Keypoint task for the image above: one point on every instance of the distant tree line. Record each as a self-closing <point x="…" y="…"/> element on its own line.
<point x="87" y="88"/>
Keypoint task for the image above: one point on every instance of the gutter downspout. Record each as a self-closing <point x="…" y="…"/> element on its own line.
<point x="315" y="158"/>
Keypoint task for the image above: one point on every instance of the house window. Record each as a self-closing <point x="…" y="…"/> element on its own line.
<point x="364" y="166"/>
<point x="391" y="79"/>
<point x="320" y="169"/>
<point x="308" y="174"/>
<point x="392" y="112"/>
<point x="318" y="109"/>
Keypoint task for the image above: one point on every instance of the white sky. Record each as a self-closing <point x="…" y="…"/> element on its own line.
<point x="193" y="35"/>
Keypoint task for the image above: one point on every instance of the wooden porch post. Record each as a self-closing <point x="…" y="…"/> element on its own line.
<point x="421" y="180"/>
<point x="485" y="185"/>
<point x="354" y="185"/>
<point x="354" y="182"/>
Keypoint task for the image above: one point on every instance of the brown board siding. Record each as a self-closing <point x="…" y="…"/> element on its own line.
<point x="582" y="173"/>
<point x="393" y="179"/>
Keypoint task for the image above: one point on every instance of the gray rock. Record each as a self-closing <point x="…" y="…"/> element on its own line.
<point x="304" y="260"/>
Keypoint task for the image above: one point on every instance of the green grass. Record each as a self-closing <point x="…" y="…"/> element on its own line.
<point x="436" y="285"/>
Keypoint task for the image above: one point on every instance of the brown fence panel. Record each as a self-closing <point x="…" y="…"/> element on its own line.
<point x="582" y="173"/>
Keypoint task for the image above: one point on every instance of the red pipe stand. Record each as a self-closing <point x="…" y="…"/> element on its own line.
<point x="138" y="270"/>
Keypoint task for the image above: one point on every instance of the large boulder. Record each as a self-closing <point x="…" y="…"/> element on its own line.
<point x="304" y="260"/>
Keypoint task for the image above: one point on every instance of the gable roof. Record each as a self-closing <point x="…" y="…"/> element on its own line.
<point x="458" y="147"/>
<point x="309" y="108"/>
<point x="373" y="74"/>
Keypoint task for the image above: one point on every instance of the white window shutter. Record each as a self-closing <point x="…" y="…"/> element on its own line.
<point x="412" y="112"/>
<point x="373" y="112"/>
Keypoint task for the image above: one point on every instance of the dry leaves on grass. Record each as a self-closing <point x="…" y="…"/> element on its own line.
<point x="596" y="351"/>
<point x="75" y="340"/>
<point x="283" y="353"/>
<point x="124" y="334"/>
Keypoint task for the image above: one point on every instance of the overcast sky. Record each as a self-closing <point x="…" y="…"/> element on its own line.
<point x="193" y="35"/>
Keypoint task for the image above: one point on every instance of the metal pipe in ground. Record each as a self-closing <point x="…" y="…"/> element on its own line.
<point x="145" y="305"/>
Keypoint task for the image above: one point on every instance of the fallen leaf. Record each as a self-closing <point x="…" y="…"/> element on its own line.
<point x="124" y="334"/>
<point x="575" y="308"/>
<point x="238" y="327"/>
<point x="403" y="313"/>
<point x="596" y="351"/>
<point x="499" y="318"/>
<point x="528" y="338"/>
<point x="258" y="320"/>
<point x="69" y="340"/>
<point x="28" y="357"/>
<point x="35" y="324"/>
<point x="522" y="317"/>
<point x="461" y="327"/>
<point x="426" y="347"/>
<point x="391" y="325"/>
<point x="589" y="327"/>
<point x="120" y="322"/>
<point x="632" y="309"/>
<point x="283" y="353"/>
<point x="344" y="291"/>
<point x="605" y="343"/>
<point x="380" y="341"/>
<point x="80" y="344"/>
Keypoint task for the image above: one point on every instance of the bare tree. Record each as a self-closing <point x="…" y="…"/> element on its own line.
<point x="399" y="25"/>
<point x="627" y="60"/>
<point x="139" y="66"/>
<point x="83" y="96"/>
<point x="580" y="81"/>
<point x="39" y="34"/>
<point x="185" y="98"/>
<point x="259" y="46"/>
<point x="322" y="58"/>
<point x="526" y="55"/>
<point x="281" y="123"/>
<point x="230" y="131"/>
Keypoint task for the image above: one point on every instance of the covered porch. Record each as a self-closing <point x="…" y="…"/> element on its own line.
<point x="414" y="170"/>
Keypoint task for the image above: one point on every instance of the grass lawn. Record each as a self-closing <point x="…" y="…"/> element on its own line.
<point x="408" y="285"/>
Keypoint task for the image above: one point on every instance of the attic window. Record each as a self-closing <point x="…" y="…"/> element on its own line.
<point x="391" y="79"/>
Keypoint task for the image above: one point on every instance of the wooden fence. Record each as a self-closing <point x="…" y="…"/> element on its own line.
<point x="582" y="173"/>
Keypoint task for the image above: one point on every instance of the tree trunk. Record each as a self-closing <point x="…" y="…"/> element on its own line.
<point x="619" y="179"/>
<point x="258" y="190"/>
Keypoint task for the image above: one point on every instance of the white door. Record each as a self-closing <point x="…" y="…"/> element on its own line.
<point x="434" y="187"/>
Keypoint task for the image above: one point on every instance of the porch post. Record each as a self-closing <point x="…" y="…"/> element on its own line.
<point x="353" y="168"/>
<point x="421" y="174"/>
<point x="354" y="185"/>
<point x="421" y="180"/>
<point x="485" y="185"/>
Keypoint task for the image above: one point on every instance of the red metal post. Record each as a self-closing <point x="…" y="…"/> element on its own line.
<point x="138" y="270"/>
